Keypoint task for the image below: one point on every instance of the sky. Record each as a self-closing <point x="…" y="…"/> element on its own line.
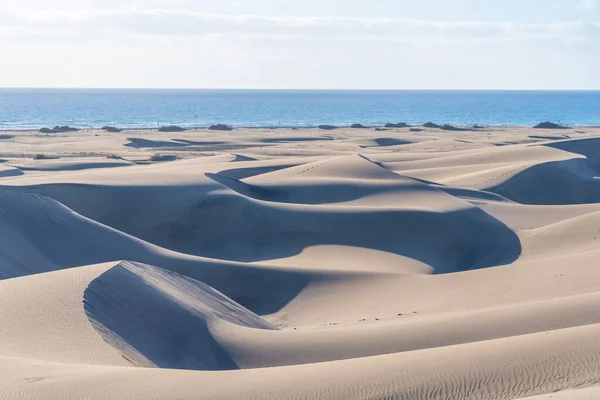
<point x="301" y="44"/>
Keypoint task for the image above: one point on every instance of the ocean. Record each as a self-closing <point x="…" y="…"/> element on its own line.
<point x="125" y="108"/>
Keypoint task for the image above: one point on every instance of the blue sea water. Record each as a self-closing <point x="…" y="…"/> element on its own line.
<point x="35" y="108"/>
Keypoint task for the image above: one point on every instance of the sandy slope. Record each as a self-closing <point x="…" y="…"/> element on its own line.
<point x="293" y="264"/>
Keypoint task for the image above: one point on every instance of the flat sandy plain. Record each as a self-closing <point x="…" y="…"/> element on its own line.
<point x="300" y="264"/>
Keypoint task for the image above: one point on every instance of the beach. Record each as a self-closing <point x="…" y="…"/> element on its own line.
<point x="388" y="263"/>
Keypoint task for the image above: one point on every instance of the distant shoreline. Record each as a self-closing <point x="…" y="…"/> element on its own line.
<point x="299" y="128"/>
<point x="309" y="90"/>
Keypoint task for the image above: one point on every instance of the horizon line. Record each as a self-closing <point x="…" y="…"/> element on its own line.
<point x="292" y="89"/>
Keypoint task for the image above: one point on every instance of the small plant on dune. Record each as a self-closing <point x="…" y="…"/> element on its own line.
<point x="327" y="127"/>
<point x="39" y="157"/>
<point x="448" y="127"/>
<point x="220" y="127"/>
<point x="397" y="125"/>
<point x="47" y="130"/>
<point x="59" y="129"/>
<point x="549" y="125"/>
<point x="171" y="128"/>
<point x="65" y="128"/>
<point x="111" y="129"/>
<point x="162" y="157"/>
<point x="431" y="125"/>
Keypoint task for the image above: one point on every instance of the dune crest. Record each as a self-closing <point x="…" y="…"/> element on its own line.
<point x="161" y="319"/>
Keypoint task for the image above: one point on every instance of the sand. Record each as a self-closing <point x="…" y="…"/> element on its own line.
<point x="300" y="264"/>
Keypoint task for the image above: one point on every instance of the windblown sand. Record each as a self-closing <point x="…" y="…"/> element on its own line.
<point x="300" y="264"/>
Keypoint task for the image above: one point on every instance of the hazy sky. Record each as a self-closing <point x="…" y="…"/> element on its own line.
<point x="380" y="44"/>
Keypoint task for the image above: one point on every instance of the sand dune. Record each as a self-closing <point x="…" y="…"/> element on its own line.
<point x="403" y="376"/>
<point x="202" y="217"/>
<point x="587" y="147"/>
<point x="6" y="171"/>
<point x="30" y="224"/>
<point x="574" y="235"/>
<point x="293" y="264"/>
<point x="524" y="216"/>
<point x="571" y="181"/>
<point x="70" y="165"/>
<point x="157" y="318"/>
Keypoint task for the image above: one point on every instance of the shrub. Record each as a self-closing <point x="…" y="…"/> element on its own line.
<point x="156" y="157"/>
<point x="327" y="127"/>
<point x="358" y="126"/>
<point x="220" y="127"/>
<point x="59" y="129"/>
<point x="431" y="125"/>
<point x="64" y="128"/>
<point x="111" y="129"/>
<point x="39" y="157"/>
<point x="48" y="130"/>
<point x="549" y="125"/>
<point x="397" y="125"/>
<point x="171" y="128"/>
<point x="448" y="127"/>
<point x="159" y="157"/>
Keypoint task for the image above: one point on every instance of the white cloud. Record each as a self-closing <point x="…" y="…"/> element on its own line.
<point x="590" y="4"/>
<point x="164" y="43"/>
<point x="65" y="23"/>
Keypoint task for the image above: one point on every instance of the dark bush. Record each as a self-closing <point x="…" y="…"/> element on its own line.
<point x="48" y="130"/>
<point x="431" y="125"/>
<point x="397" y="125"/>
<point x="358" y="126"/>
<point x="327" y="127"/>
<point x="448" y="127"/>
<point x="58" y="129"/>
<point x="65" y="128"/>
<point x="220" y="127"/>
<point x="111" y="129"/>
<point x="159" y="157"/>
<point x="549" y="125"/>
<point x="171" y="128"/>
